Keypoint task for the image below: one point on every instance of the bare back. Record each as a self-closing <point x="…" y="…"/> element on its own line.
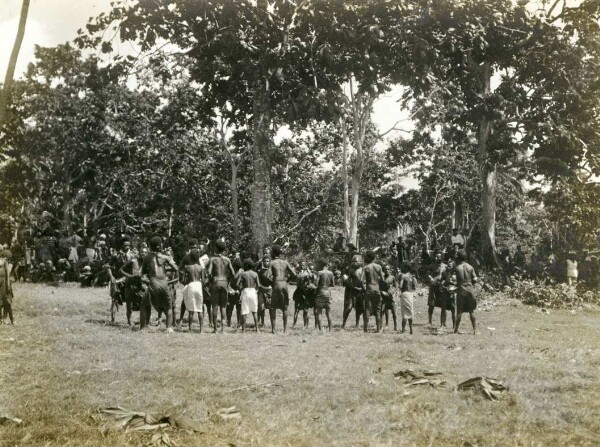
<point x="465" y="275"/>
<point x="281" y="270"/>
<point x="155" y="265"/>
<point x="220" y="268"/>
<point x="371" y="276"/>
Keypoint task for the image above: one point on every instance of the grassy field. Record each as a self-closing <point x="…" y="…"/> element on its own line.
<point x="62" y="362"/>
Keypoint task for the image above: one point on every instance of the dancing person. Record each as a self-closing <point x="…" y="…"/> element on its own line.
<point x="154" y="270"/>
<point x="353" y="290"/>
<point x="249" y="283"/>
<point x="465" y="292"/>
<point x="371" y="275"/>
<point x="220" y="272"/>
<point x="193" y="291"/>
<point x="407" y="285"/>
<point x="325" y="280"/>
<point x="281" y="271"/>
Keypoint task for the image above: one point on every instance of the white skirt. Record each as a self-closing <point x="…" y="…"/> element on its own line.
<point x="406" y="305"/>
<point x="249" y="299"/>
<point x="192" y="297"/>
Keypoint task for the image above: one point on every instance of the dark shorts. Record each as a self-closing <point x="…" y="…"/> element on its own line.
<point x="372" y="300"/>
<point x="387" y="302"/>
<point x="159" y="294"/>
<point x="436" y="296"/>
<point x="323" y="299"/>
<point x="280" y="298"/>
<point x="218" y="294"/>
<point x="465" y="300"/>
<point x="264" y="298"/>
<point x="449" y="300"/>
<point x="6" y="296"/>
<point x="133" y="294"/>
<point x="349" y="298"/>
<point x="234" y="299"/>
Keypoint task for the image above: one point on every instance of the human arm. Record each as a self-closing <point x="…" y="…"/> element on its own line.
<point x="174" y="267"/>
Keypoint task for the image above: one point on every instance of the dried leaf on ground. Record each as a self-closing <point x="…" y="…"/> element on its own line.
<point x="160" y="440"/>
<point x="229" y="413"/>
<point x="8" y="419"/>
<point x="122" y="419"/>
<point x="412" y="378"/>
<point x="492" y="389"/>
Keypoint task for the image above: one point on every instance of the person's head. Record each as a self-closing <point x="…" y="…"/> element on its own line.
<point x="126" y="243"/>
<point x="302" y="265"/>
<point x="49" y="263"/>
<point x="356" y="261"/>
<point x="248" y="264"/>
<point x="202" y="248"/>
<point x="5" y="254"/>
<point x="103" y="237"/>
<point x="450" y="262"/>
<point x="369" y="256"/>
<point x="143" y="250"/>
<point x="155" y="243"/>
<point x="194" y="256"/>
<point x="266" y="252"/>
<point x="87" y="269"/>
<point x="405" y="267"/>
<point x="461" y="256"/>
<point x="276" y="251"/>
<point x="220" y="246"/>
<point x="438" y="257"/>
<point x="386" y="269"/>
<point x="169" y="251"/>
<point x="322" y="264"/>
<point x="193" y="243"/>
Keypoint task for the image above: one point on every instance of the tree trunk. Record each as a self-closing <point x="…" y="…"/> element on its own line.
<point x="234" y="201"/>
<point x="345" y="179"/>
<point x="359" y="122"/>
<point x="487" y="171"/>
<point x="260" y="210"/>
<point x="12" y="62"/>
<point x="171" y="212"/>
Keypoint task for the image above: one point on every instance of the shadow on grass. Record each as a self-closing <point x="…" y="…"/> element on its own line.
<point x="117" y="325"/>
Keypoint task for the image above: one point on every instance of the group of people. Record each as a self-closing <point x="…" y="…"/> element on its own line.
<point x="145" y="279"/>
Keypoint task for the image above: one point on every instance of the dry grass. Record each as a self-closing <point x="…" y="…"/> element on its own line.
<point x="61" y="363"/>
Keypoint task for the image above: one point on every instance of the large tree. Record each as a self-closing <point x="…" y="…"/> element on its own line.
<point x="523" y="86"/>
<point x="12" y="62"/>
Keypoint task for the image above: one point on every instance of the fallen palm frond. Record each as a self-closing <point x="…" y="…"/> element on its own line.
<point x="122" y="419"/>
<point x="492" y="389"/>
<point x="8" y="419"/>
<point x="412" y="378"/>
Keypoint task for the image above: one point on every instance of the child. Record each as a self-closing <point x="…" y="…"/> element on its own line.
<point x="407" y="285"/>
<point x="465" y="294"/>
<point x="264" y="294"/>
<point x="371" y="275"/>
<point x="325" y="280"/>
<point x="388" y="292"/>
<point x="220" y="271"/>
<point x="248" y="282"/>
<point x="6" y="292"/>
<point x="192" y="292"/>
